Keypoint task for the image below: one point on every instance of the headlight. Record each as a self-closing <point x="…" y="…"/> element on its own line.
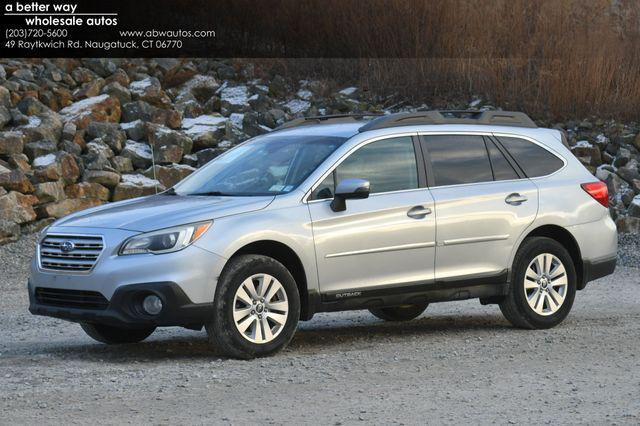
<point x="165" y="240"/>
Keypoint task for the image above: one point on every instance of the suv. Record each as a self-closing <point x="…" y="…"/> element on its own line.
<point x="338" y="213"/>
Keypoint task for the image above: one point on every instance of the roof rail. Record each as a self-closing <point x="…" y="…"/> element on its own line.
<point x="336" y="118"/>
<point x="500" y="118"/>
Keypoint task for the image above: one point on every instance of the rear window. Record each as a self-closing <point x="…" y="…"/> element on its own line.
<point x="533" y="159"/>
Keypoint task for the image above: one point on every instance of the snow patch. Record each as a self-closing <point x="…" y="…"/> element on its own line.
<point x="297" y="106"/>
<point x="238" y="95"/>
<point x="583" y="144"/>
<point x="205" y="123"/>
<point x="138" y="148"/>
<point x="138" y="180"/>
<point x="236" y="120"/>
<point x="304" y="94"/>
<point x="348" y="91"/>
<point x="83" y="105"/>
<point x="141" y="85"/>
<point x="44" y="160"/>
<point x="130" y="125"/>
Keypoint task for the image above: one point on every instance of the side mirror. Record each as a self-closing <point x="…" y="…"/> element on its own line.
<point x="349" y="189"/>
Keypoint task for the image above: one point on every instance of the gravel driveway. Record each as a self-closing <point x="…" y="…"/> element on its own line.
<point x="459" y="362"/>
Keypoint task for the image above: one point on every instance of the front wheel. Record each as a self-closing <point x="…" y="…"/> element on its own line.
<point x="256" y="307"/>
<point x="116" y="335"/>
<point x="543" y="285"/>
<point x="399" y="313"/>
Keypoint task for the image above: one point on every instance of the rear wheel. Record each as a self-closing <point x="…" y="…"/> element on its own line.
<point x="116" y="335"/>
<point x="543" y="285"/>
<point x="399" y="313"/>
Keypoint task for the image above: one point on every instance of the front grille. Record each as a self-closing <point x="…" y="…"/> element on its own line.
<point x="71" y="298"/>
<point x="70" y="252"/>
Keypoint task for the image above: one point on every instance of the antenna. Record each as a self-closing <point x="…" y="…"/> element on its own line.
<point x="153" y="167"/>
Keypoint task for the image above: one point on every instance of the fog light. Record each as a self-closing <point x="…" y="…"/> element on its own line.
<point x="152" y="304"/>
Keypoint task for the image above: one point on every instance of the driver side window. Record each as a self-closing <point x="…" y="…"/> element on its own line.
<point x="388" y="165"/>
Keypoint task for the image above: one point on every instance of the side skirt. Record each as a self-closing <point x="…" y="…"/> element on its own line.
<point x="414" y="293"/>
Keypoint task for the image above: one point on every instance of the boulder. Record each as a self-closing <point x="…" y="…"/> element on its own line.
<point x="102" y="177"/>
<point x="205" y="130"/>
<point x="135" y="130"/>
<point x="9" y="231"/>
<point x="40" y="148"/>
<point x="16" y="180"/>
<point x="53" y="167"/>
<point x="629" y="172"/>
<point x="50" y="191"/>
<point x="149" y="90"/>
<point x="87" y="190"/>
<point x="122" y="164"/>
<point x="96" y="108"/>
<point x="19" y="161"/>
<point x="207" y="155"/>
<point x="140" y="110"/>
<point x="117" y="91"/>
<point x="168" y="145"/>
<point x="65" y="207"/>
<point x="47" y="126"/>
<point x="5" y="116"/>
<point x="11" y="142"/>
<point x="628" y="224"/>
<point x="17" y="208"/>
<point x="234" y="99"/>
<point x="134" y="185"/>
<point x="201" y="87"/>
<point x="634" y="207"/>
<point x="169" y="175"/>
<point x="110" y="133"/>
<point x="138" y="153"/>
<point x="586" y="150"/>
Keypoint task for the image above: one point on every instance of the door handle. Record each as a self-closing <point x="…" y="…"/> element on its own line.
<point x="418" y="212"/>
<point x="515" y="199"/>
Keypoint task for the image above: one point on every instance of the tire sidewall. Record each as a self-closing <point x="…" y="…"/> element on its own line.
<point x="524" y="258"/>
<point x="224" y="324"/>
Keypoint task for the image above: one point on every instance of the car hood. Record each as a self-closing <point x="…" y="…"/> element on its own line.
<point x="162" y="211"/>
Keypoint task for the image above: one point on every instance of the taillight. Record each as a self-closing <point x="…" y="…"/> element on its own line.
<point x="599" y="192"/>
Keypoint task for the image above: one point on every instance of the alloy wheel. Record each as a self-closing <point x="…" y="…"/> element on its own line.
<point x="260" y="308"/>
<point x="545" y="284"/>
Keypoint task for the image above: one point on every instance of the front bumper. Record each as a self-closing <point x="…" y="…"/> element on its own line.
<point x="124" y="309"/>
<point x="194" y="269"/>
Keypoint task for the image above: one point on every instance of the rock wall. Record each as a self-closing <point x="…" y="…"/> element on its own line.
<point x="78" y="133"/>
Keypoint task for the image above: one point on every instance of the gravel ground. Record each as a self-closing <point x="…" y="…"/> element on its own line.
<point x="459" y="362"/>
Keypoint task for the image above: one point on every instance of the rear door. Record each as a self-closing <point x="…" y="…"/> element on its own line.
<point x="483" y="204"/>
<point x="384" y="241"/>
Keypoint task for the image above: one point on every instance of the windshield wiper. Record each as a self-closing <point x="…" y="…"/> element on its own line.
<point x="211" y="193"/>
<point x="169" y="191"/>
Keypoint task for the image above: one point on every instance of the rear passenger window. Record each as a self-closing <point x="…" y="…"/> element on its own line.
<point x="502" y="169"/>
<point x="458" y="159"/>
<point x="533" y="159"/>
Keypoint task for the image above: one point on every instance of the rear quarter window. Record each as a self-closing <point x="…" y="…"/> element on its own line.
<point x="533" y="159"/>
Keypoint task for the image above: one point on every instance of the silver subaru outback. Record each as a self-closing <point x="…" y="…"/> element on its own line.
<point x="338" y="213"/>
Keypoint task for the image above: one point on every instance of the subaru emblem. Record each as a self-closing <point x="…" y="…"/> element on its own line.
<point x="67" y="246"/>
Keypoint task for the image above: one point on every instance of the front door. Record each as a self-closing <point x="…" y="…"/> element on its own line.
<point x="383" y="241"/>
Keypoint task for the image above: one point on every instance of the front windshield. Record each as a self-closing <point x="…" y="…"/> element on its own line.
<point x="269" y="165"/>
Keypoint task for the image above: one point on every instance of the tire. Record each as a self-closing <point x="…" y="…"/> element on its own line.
<point x="546" y="302"/>
<point x="116" y="335"/>
<point x="248" y="324"/>
<point x="399" y="313"/>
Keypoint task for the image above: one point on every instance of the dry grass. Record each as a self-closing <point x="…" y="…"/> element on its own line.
<point x="552" y="58"/>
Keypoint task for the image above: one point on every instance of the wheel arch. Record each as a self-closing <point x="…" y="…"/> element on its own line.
<point x="564" y="237"/>
<point x="290" y="259"/>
